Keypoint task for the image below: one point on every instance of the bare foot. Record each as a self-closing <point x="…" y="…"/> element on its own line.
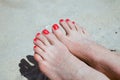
<point x="58" y="63"/>
<point x="80" y="44"/>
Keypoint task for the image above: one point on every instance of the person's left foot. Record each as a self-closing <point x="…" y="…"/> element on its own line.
<point x="56" y="62"/>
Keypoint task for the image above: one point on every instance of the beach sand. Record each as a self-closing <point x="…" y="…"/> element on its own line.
<point x="20" y="20"/>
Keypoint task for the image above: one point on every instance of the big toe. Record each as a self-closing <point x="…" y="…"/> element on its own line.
<point x="50" y="37"/>
<point x="57" y="32"/>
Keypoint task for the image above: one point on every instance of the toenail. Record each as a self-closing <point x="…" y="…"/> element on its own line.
<point x="35" y="39"/>
<point x="61" y="20"/>
<point x="45" y="31"/>
<point x="73" y="22"/>
<point x="67" y="20"/>
<point x="37" y="34"/>
<point x="55" y="26"/>
<point x="35" y="46"/>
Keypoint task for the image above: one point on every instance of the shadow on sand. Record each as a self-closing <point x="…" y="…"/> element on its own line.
<point x="29" y="69"/>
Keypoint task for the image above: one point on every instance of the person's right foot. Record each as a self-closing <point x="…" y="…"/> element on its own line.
<point x="80" y="44"/>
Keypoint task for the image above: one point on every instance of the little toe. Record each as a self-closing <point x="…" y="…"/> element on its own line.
<point x="65" y="26"/>
<point x="79" y="28"/>
<point x="85" y="31"/>
<point x="71" y="25"/>
<point x="38" y="58"/>
<point x="50" y="36"/>
<point x="42" y="38"/>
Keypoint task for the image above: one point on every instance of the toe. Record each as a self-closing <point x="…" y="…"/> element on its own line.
<point x="39" y="52"/>
<point x="50" y="36"/>
<point x="42" y="38"/>
<point x="65" y="26"/>
<point x="38" y="58"/>
<point x="84" y="31"/>
<point x="71" y="25"/>
<point x="57" y="32"/>
<point x="79" y="28"/>
<point x="39" y="43"/>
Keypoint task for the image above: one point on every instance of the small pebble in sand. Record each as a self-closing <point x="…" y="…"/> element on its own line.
<point x="116" y="32"/>
<point x="99" y="28"/>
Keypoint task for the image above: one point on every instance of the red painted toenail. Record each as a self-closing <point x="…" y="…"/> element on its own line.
<point x="45" y="31"/>
<point x="35" y="39"/>
<point x="37" y="34"/>
<point x="73" y="22"/>
<point x="67" y="20"/>
<point x="55" y="26"/>
<point x="35" y="46"/>
<point x="61" y="20"/>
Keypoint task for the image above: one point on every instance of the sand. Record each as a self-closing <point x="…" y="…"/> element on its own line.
<point x="20" y="20"/>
